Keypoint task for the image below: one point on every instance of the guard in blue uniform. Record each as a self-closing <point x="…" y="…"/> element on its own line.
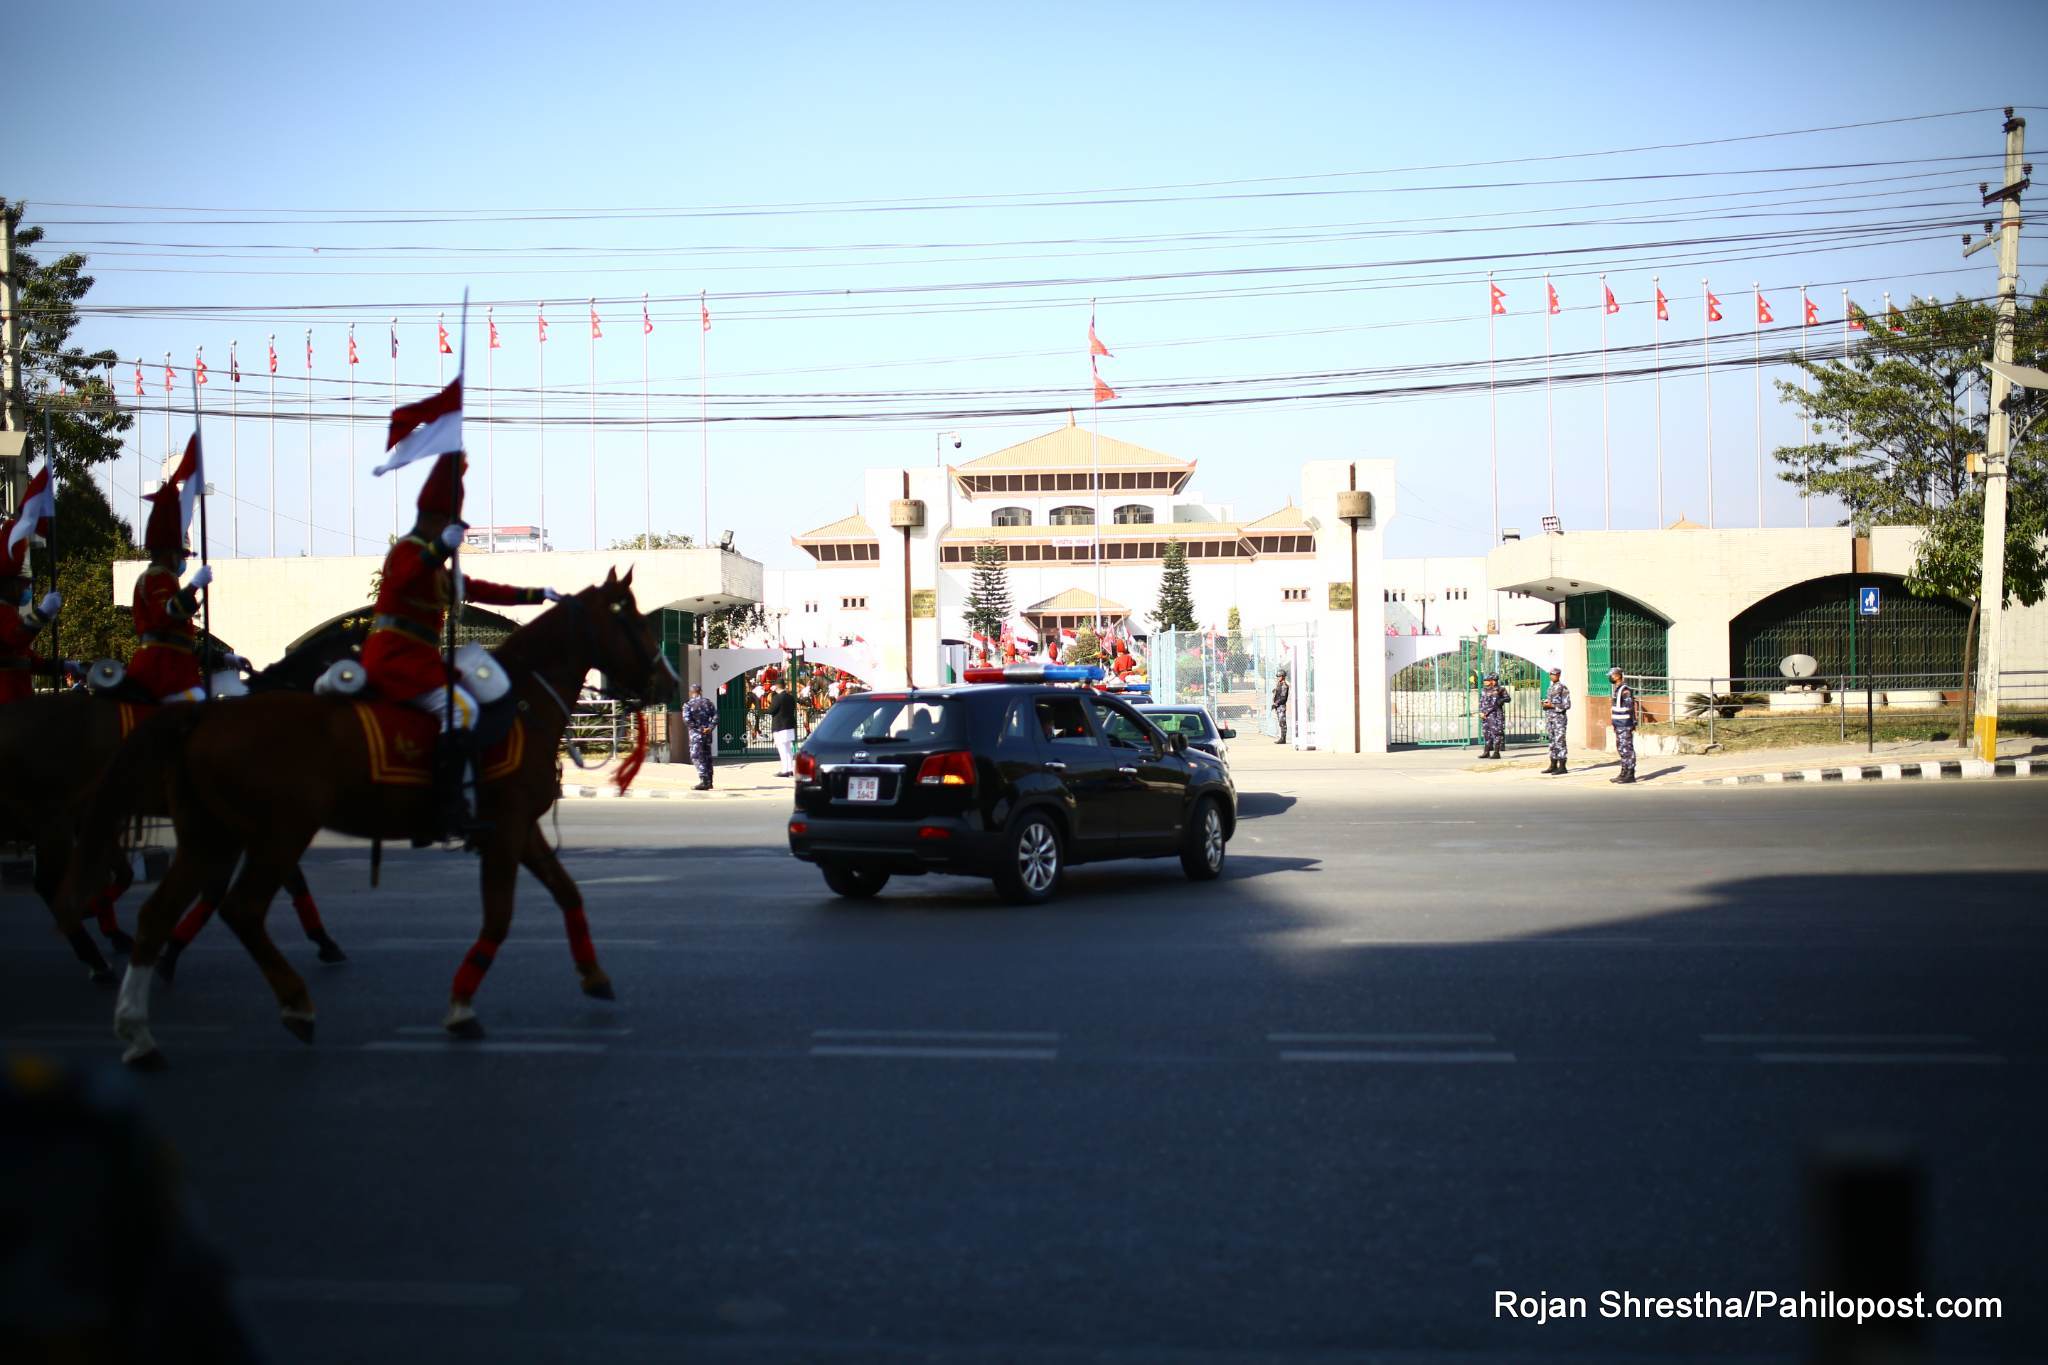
<point x="1493" y="716"/>
<point x="1557" y="708"/>
<point x="1624" y="726"/>
<point x="700" y="722"/>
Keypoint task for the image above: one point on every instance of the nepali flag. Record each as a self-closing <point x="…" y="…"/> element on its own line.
<point x="190" y="477"/>
<point x="1812" y="311"/>
<point x="234" y="365"/>
<point x="492" y="323"/>
<point x="441" y="334"/>
<point x="646" y="318"/>
<point x="38" y="510"/>
<point x="353" y="358"/>
<point x="704" y="310"/>
<point x="1610" y="305"/>
<point x="1500" y="300"/>
<point x="273" y="355"/>
<point x="138" y="379"/>
<point x="1663" y="307"/>
<point x="1551" y="290"/>
<point x="199" y="366"/>
<point x="1713" y="307"/>
<point x="432" y="426"/>
<point x="1763" y="311"/>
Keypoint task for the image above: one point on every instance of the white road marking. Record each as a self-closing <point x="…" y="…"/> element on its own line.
<point x="1573" y="941"/>
<point x="436" y="1031"/>
<point x="1896" y="1039"/>
<point x="414" y="1293"/>
<point x="1414" y="1057"/>
<point x="454" y="1046"/>
<point x="1880" y="1058"/>
<point x="936" y="1035"/>
<point x="1380" y="1038"/>
<point x="965" y="1054"/>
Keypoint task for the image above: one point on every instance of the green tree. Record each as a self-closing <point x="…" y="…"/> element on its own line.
<point x="722" y="627"/>
<point x="663" y="540"/>
<point x="1176" y="610"/>
<point x="90" y="537"/>
<point x="1894" y="426"/>
<point x="72" y="385"/>
<point x="988" y="599"/>
<point x="1235" y="658"/>
<point x="1086" y="649"/>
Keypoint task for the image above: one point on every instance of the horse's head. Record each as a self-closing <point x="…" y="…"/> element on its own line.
<point x="626" y="642"/>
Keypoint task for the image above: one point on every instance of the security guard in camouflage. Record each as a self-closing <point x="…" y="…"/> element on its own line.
<point x="1557" y="706"/>
<point x="1624" y="717"/>
<point x="700" y="721"/>
<point x="1493" y="716"/>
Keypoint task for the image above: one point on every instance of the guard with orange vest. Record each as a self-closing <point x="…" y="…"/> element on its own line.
<point x="166" y="663"/>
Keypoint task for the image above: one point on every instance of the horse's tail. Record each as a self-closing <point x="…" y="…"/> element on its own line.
<point x="140" y="768"/>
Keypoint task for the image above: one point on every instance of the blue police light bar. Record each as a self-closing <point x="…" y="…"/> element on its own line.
<point x="1031" y="673"/>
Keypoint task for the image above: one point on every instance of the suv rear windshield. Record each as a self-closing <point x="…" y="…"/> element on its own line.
<point x="1193" y="724"/>
<point x="910" y="721"/>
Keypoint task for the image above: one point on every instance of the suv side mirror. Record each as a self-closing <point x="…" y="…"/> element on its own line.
<point x="1178" y="742"/>
<point x="1226" y="733"/>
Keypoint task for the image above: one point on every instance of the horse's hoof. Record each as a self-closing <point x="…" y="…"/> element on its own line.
<point x="300" y="1026"/>
<point x="145" y="1059"/>
<point x="330" y="951"/>
<point x="469" y="1030"/>
<point x="600" y="988"/>
<point x="119" y="941"/>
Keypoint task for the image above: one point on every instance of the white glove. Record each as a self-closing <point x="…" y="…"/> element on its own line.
<point x="451" y="534"/>
<point x="202" y="578"/>
<point x="52" y="602"/>
<point x="549" y="594"/>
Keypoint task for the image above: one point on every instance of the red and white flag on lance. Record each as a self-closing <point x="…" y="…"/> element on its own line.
<point x="1663" y="307"/>
<point x="596" y="329"/>
<point x="441" y="338"/>
<point x="1763" y="310"/>
<point x="199" y="366"/>
<point x="1500" y="300"/>
<point x="1812" y="310"/>
<point x="1713" y="307"/>
<point x="704" y="309"/>
<point x="38" y="510"/>
<point x="432" y="426"/>
<point x="1609" y="303"/>
<point x="1551" y="290"/>
<point x="190" y="477"/>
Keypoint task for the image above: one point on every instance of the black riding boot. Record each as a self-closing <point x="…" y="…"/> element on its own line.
<point x="455" y="788"/>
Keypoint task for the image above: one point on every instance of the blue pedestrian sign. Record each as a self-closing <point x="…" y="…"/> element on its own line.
<point x="1866" y="601"/>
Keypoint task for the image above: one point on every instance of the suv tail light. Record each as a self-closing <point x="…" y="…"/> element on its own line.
<point x="955" y="769"/>
<point x="807" y="767"/>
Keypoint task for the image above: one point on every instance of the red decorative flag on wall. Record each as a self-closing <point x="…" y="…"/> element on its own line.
<point x="1713" y="307"/>
<point x="704" y="309"/>
<point x="1610" y="304"/>
<point x="441" y="334"/>
<point x="1663" y="307"/>
<point x="1763" y="310"/>
<point x="1812" y="310"/>
<point x="1500" y="299"/>
<point x="1551" y="290"/>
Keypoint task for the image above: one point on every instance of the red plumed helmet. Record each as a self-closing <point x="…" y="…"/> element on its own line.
<point x="164" y="535"/>
<point x="441" y="495"/>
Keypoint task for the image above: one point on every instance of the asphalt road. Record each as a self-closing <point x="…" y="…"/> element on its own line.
<point x="1416" y="1049"/>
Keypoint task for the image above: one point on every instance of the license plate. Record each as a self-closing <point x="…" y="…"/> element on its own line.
<point x="863" y="788"/>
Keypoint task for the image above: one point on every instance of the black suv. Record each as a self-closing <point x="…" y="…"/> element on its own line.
<point x="1007" y="781"/>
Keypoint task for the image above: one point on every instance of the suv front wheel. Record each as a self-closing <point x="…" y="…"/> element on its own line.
<point x="1029" y="872"/>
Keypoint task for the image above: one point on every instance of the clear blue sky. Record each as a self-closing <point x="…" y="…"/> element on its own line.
<point x="518" y="107"/>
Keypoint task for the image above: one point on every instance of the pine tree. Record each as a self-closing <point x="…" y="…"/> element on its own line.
<point x="1086" y="649"/>
<point x="1235" y="659"/>
<point x="988" y="600"/>
<point x="1176" y="610"/>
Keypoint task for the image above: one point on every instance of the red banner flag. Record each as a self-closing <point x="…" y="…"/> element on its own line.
<point x="432" y="426"/>
<point x="704" y="308"/>
<point x="1812" y="311"/>
<point x="1095" y="346"/>
<point x="169" y="377"/>
<point x="309" y="349"/>
<point x="1855" y="318"/>
<point x="1551" y="290"/>
<point x="1713" y="307"/>
<point x="1663" y="307"/>
<point x="441" y="333"/>
<point x="1103" y="392"/>
<point x="199" y="366"/>
<point x="493" y="324"/>
<point x="1500" y="299"/>
<point x="646" y="318"/>
<point x="1892" y="318"/>
<point x="1610" y="305"/>
<point x="353" y="359"/>
<point x="273" y="355"/>
<point x="138" y="379"/>
<point x="1763" y="310"/>
<point x="542" y="319"/>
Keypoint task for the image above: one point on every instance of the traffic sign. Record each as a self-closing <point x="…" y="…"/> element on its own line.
<point x="1866" y="601"/>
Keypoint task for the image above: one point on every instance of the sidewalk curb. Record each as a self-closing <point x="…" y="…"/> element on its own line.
<point x="611" y="793"/>
<point x="1930" y="770"/>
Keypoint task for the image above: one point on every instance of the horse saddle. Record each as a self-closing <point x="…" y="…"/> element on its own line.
<point x="401" y="741"/>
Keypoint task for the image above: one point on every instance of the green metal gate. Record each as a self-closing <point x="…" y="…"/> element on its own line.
<point x="1619" y="631"/>
<point x="1434" y="702"/>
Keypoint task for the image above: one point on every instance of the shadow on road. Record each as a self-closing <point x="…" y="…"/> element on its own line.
<point x="1259" y="805"/>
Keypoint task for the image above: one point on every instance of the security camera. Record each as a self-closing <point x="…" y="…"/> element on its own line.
<point x="956" y="443"/>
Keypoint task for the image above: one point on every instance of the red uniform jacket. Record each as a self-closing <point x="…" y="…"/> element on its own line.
<point x="403" y="655"/>
<point x="168" y="660"/>
<point x="18" y="660"/>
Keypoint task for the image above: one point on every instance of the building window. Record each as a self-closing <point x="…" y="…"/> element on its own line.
<point x="1071" y="516"/>
<point x="1011" y="516"/>
<point x="1294" y="594"/>
<point x="853" y="604"/>
<point x="1132" y="514"/>
<point x="810" y="606"/>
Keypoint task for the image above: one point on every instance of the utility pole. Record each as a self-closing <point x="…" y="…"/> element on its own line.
<point x="10" y="348"/>
<point x="1991" y="590"/>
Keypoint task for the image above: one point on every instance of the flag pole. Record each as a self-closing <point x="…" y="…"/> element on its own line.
<point x="646" y="436"/>
<point x="593" y="424"/>
<point x="206" y="601"/>
<point x="1606" y="439"/>
<point x="1707" y="383"/>
<point x="1756" y="365"/>
<point x="273" y="445"/>
<point x="396" y="529"/>
<point x="1095" y="471"/>
<point x="351" y="438"/>
<point x="309" y="443"/>
<point x="169" y="447"/>
<point x="455" y="550"/>
<point x="704" y="414"/>
<point x="1493" y="409"/>
<point x="138" y="452"/>
<point x="541" y="416"/>
<point x="1657" y="382"/>
<point x="1549" y="406"/>
<point x="234" y="447"/>
<point x="490" y="432"/>
<point x="1805" y="413"/>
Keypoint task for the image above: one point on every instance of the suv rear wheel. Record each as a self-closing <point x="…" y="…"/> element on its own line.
<point x="1029" y="872"/>
<point x="1202" y="846"/>
<point x="855" y="883"/>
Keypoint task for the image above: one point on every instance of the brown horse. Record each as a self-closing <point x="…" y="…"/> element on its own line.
<point x="219" y="772"/>
<point x="57" y="744"/>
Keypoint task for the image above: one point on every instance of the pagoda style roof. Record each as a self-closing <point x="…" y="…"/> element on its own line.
<point x="1133" y="530"/>
<point x="1071" y="448"/>
<point x="854" y="527"/>
<point x="1075" y="600"/>
<point x="1288" y="518"/>
<point x="1684" y="524"/>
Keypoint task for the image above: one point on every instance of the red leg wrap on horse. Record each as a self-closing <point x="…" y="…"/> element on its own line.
<point x="194" y="920"/>
<point x="309" y="915"/>
<point x="470" y="975"/>
<point x="579" y="937"/>
<point x="103" y="909"/>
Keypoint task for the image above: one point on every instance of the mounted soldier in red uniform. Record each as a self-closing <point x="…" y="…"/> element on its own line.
<point x="22" y="618"/>
<point x="166" y="666"/>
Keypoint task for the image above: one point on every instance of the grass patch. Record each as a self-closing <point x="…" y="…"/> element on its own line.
<point x="1746" y="731"/>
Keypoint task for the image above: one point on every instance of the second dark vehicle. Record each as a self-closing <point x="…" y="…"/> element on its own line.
<point x="1012" y="782"/>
